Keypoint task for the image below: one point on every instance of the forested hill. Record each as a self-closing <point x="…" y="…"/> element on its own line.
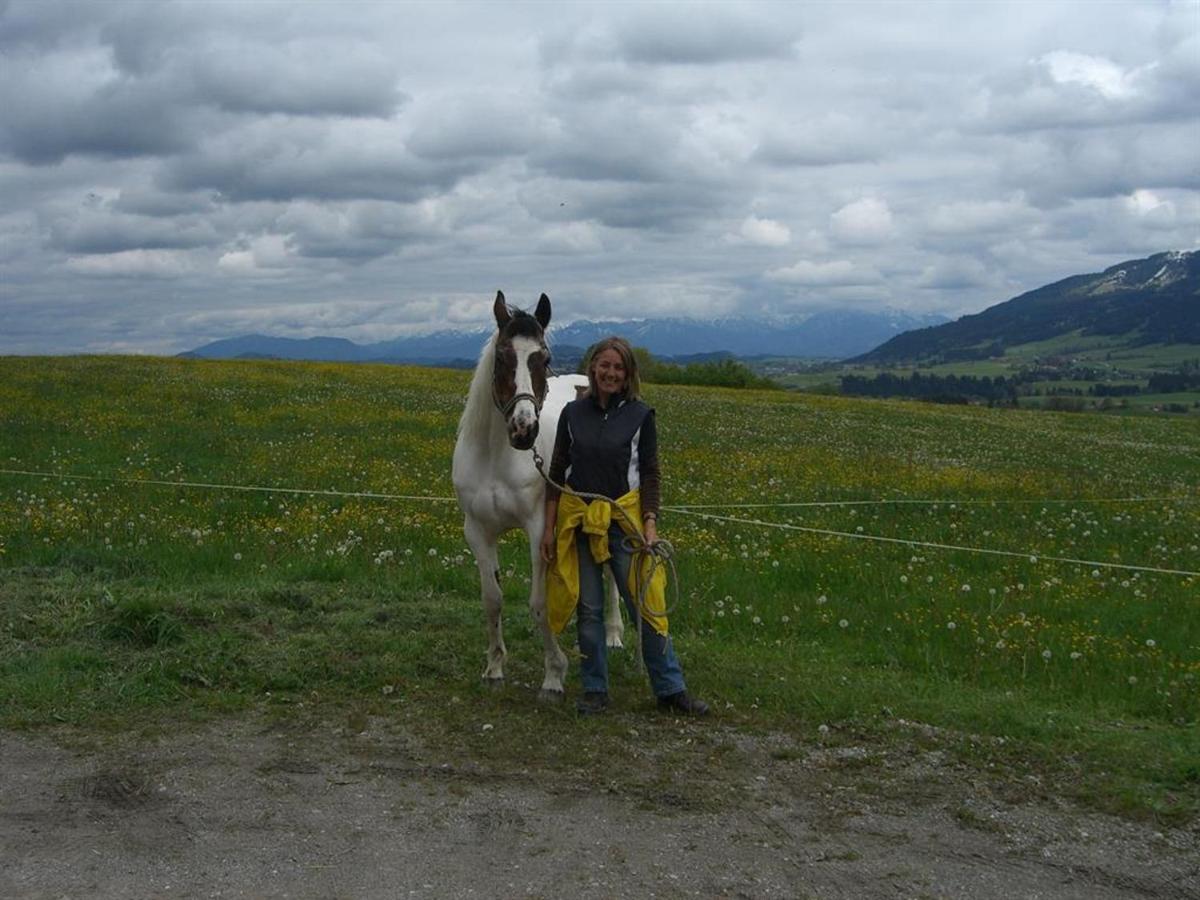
<point x="1145" y="301"/>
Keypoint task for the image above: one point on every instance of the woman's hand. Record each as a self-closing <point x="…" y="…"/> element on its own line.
<point x="650" y="531"/>
<point x="549" y="543"/>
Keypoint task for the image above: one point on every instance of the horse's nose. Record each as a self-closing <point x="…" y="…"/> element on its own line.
<point x="522" y="433"/>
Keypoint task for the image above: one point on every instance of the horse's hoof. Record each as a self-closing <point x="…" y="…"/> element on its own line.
<point x="551" y="697"/>
<point x="494" y="684"/>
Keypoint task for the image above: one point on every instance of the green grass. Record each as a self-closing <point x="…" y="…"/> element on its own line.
<point x="124" y="602"/>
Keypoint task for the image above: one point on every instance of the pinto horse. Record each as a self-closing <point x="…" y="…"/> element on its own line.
<point x="512" y="409"/>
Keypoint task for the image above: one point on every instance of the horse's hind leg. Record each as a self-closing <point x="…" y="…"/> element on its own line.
<point x="483" y="545"/>
<point x="614" y="625"/>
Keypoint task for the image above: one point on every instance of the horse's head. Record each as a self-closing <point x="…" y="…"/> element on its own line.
<point x="521" y="366"/>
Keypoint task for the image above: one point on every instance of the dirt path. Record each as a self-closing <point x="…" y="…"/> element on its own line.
<point x="252" y="808"/>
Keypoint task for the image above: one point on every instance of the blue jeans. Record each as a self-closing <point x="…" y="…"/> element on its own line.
<point x="666" y="675"/>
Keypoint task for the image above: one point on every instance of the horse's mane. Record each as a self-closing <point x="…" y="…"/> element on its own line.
<point x="480" y="406"/>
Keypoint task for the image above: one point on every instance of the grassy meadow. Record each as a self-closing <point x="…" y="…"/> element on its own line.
<point x="124" y="602"/>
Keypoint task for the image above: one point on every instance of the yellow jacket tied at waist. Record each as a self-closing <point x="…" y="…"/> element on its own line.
<point x="594" y="519"/>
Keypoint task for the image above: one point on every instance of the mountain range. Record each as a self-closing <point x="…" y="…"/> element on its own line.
<point x="831" y="334"/>
<point x="1146" y="301"/>
<point x="1135" y="303"/>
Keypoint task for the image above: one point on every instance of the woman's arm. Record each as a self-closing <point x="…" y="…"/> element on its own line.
<point x="650" y="475"/>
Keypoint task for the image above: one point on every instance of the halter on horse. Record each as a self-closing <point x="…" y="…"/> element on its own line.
<point x="513" y="407"/>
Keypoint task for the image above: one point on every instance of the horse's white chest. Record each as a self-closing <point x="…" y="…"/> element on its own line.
<point x="501" y="489"/>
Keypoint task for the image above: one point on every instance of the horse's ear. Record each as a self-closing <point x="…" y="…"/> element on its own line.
<point x="542" y="313"/>
<point x="500" y="310"/>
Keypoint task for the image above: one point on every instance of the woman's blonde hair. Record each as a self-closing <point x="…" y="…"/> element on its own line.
<point x="633" y="384"/>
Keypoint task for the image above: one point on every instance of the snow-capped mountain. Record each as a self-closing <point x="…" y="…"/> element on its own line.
<point x="822" y="335"/>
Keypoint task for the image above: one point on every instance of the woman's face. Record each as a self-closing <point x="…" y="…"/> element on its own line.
<point x="609" y="373"/>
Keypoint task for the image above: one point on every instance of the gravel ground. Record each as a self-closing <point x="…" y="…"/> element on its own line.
<point x="254" y="807"/>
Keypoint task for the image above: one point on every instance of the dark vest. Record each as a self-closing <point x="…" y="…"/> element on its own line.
<point x="607" y="451"/>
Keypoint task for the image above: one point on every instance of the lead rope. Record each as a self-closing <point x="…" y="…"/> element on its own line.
<point x="660" y="553"/>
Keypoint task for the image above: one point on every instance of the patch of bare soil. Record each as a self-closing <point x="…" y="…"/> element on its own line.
<point x="254" y="808"/>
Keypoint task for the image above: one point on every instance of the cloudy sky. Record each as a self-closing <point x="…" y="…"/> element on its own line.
<point x="172" y="173"/>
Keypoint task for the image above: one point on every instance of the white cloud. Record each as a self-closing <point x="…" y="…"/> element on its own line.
<point x="865" y="221"/>
<point x="133" y="264"/>
<point x="572" y="237"/>
<point x="840" y="272"/>
<point x="762" y="232"/>
<point x="264" y="255"/>
<point x="954" y="275"/>
<point x="1145" y="203"/>
<point x="1102" y="75"/>
<point x="976" y="217"/>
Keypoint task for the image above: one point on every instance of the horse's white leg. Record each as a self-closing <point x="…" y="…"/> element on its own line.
<point x="483" y="545"/>
<point x="555" y="659"/>
<point x="614" y="625"/>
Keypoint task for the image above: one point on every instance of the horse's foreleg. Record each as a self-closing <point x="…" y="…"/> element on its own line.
<point x="483" y="545"/>
<point x="556" y="660"/>
<point x="614" y="625"/>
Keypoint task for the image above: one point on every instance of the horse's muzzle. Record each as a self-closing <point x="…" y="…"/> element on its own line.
<point x="522" y="438"/>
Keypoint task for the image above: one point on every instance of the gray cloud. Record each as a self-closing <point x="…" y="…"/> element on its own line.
<point x="302" y="159"/>
<point x="479" y="125"/>
<point x="103" y="231"/>
<point x="702" y="34"/>
<point x="180" y="171"/>
<point x="55" y="107"/>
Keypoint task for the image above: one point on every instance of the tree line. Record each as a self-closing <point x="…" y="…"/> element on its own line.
<point x="935" y="388"/>
<point x="1001" y="390"/>
<point x="723" y="372"/>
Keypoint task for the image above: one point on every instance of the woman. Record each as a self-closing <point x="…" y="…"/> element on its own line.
<point x="607" y="444"/>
